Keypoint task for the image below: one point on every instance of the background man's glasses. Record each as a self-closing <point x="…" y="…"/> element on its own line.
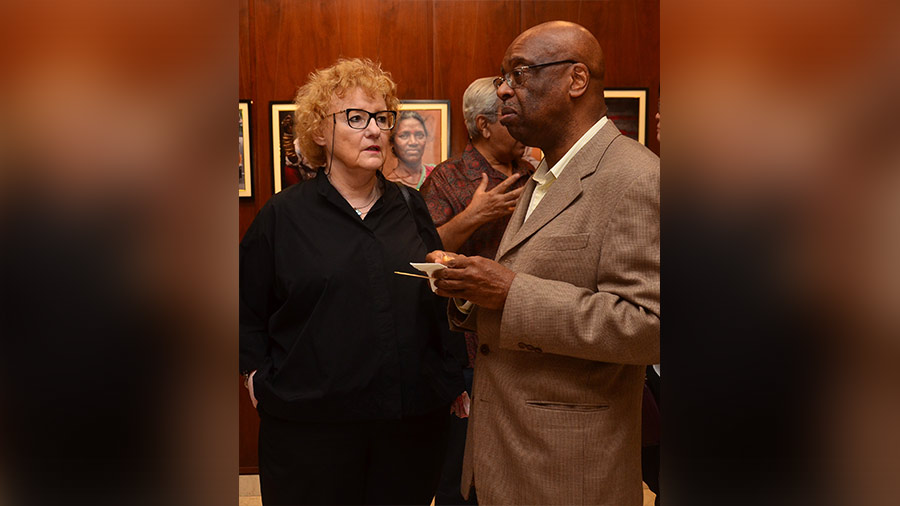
<point x="359" y="118"/>
<point x="516" y="76"/>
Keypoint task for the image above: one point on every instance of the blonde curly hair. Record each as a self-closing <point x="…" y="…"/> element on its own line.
<point x="314" y="98"/>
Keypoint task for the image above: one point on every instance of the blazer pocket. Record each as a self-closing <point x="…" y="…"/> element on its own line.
<point x="567" y="406"/>
<point x="561" y="242"/>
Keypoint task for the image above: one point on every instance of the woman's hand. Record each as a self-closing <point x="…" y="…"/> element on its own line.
<point x="249" y="384"/>
<point x="460" y="406"/>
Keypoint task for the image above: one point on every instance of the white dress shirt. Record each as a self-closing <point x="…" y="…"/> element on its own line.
<point x="545" y="178"/>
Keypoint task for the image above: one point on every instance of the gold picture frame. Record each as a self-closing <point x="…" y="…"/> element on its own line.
<point x="283" y="153"/>
<point x="436" y="114"/>
<point x="627" y="109"/>
<point x="245" y="161"/>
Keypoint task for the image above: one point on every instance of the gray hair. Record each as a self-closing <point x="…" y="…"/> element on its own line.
<point x="480" y="98"/>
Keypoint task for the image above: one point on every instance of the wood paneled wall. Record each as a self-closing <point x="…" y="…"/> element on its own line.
<point x="433" y="49"/>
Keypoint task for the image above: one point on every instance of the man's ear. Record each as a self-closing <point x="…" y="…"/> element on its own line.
<point x="481" y="124"/>
<point x="580" y="79"/>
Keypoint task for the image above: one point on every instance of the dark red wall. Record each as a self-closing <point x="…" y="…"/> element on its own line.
<point x="433" y="49"/>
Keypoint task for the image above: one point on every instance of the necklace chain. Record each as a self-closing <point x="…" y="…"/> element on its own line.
<point x="359" y="209"/>
<point x="374" y="196"/>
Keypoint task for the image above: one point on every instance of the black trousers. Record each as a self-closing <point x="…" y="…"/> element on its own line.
<point x="383" y="462"/>
<point x="448" y="488"/>
<point x="650" y="468"/>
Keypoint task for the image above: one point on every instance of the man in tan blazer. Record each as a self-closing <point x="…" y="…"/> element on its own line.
<point x="568" y="313"/>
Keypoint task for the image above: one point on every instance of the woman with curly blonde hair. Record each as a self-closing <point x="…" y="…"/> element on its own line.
<point x="351" y="367"/>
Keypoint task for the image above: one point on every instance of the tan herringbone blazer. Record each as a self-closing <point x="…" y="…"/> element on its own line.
<point x="556" y="414"/>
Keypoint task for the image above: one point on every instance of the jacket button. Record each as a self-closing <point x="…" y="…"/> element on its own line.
<point x="485" y="349"/>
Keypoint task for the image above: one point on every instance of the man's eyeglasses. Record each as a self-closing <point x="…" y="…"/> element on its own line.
<point x="516" y="76"/>
<point x="359" y="118"/>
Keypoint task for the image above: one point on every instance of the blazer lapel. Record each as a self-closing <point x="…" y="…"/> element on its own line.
<point x="560" y="195"/>
<point x="518" y="216"/>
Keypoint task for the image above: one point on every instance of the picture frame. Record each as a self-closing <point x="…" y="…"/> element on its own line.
<point x="627" y="109"/>
<point x="245" y="160"/>
<point x="436" y="115"/>
<point x="288" y="167"/>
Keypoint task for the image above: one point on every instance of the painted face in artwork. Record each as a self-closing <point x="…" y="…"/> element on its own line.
<point x="409" y="141"/>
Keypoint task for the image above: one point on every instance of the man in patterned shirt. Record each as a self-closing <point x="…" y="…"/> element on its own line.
<point x="470" y="198"/>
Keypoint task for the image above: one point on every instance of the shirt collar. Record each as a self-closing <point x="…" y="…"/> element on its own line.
<point x="542" y="174"/>
<point x="473" y="171"/>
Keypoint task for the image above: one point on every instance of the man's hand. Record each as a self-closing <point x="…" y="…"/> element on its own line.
<point x="440" y="257"/>
<point x="476" y="279"/>
<point x="487" y="206"/>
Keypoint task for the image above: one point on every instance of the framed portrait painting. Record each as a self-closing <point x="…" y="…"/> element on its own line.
<point x="288" y="165"/>
<point x="421" y="135"/>
<point x="245" y="162"/>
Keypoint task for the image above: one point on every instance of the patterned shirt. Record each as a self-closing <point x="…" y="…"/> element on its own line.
<point x="449" y="189"/>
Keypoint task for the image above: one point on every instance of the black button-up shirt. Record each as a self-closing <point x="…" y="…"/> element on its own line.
<point x="333" y="333"/>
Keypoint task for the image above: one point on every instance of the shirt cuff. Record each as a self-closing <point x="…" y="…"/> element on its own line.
<point x="464" y="306"/>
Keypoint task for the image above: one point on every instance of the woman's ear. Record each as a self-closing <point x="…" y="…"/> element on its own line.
<point x="319" y="137"/>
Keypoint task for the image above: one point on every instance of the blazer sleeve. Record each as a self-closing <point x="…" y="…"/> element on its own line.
<point x="460" y="321"/>
<point x="619" y="321"/>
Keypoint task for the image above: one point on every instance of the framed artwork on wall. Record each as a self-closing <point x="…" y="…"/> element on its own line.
<point x="435" y="116"/>
<point x="628" y="111"/>
<point x="245" y="161"/>
<point x="288" y="165"/>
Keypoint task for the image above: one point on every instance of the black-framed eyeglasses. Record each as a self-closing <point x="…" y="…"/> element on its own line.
<point x="359" y="118"/>
<point x="516" y="76"/>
